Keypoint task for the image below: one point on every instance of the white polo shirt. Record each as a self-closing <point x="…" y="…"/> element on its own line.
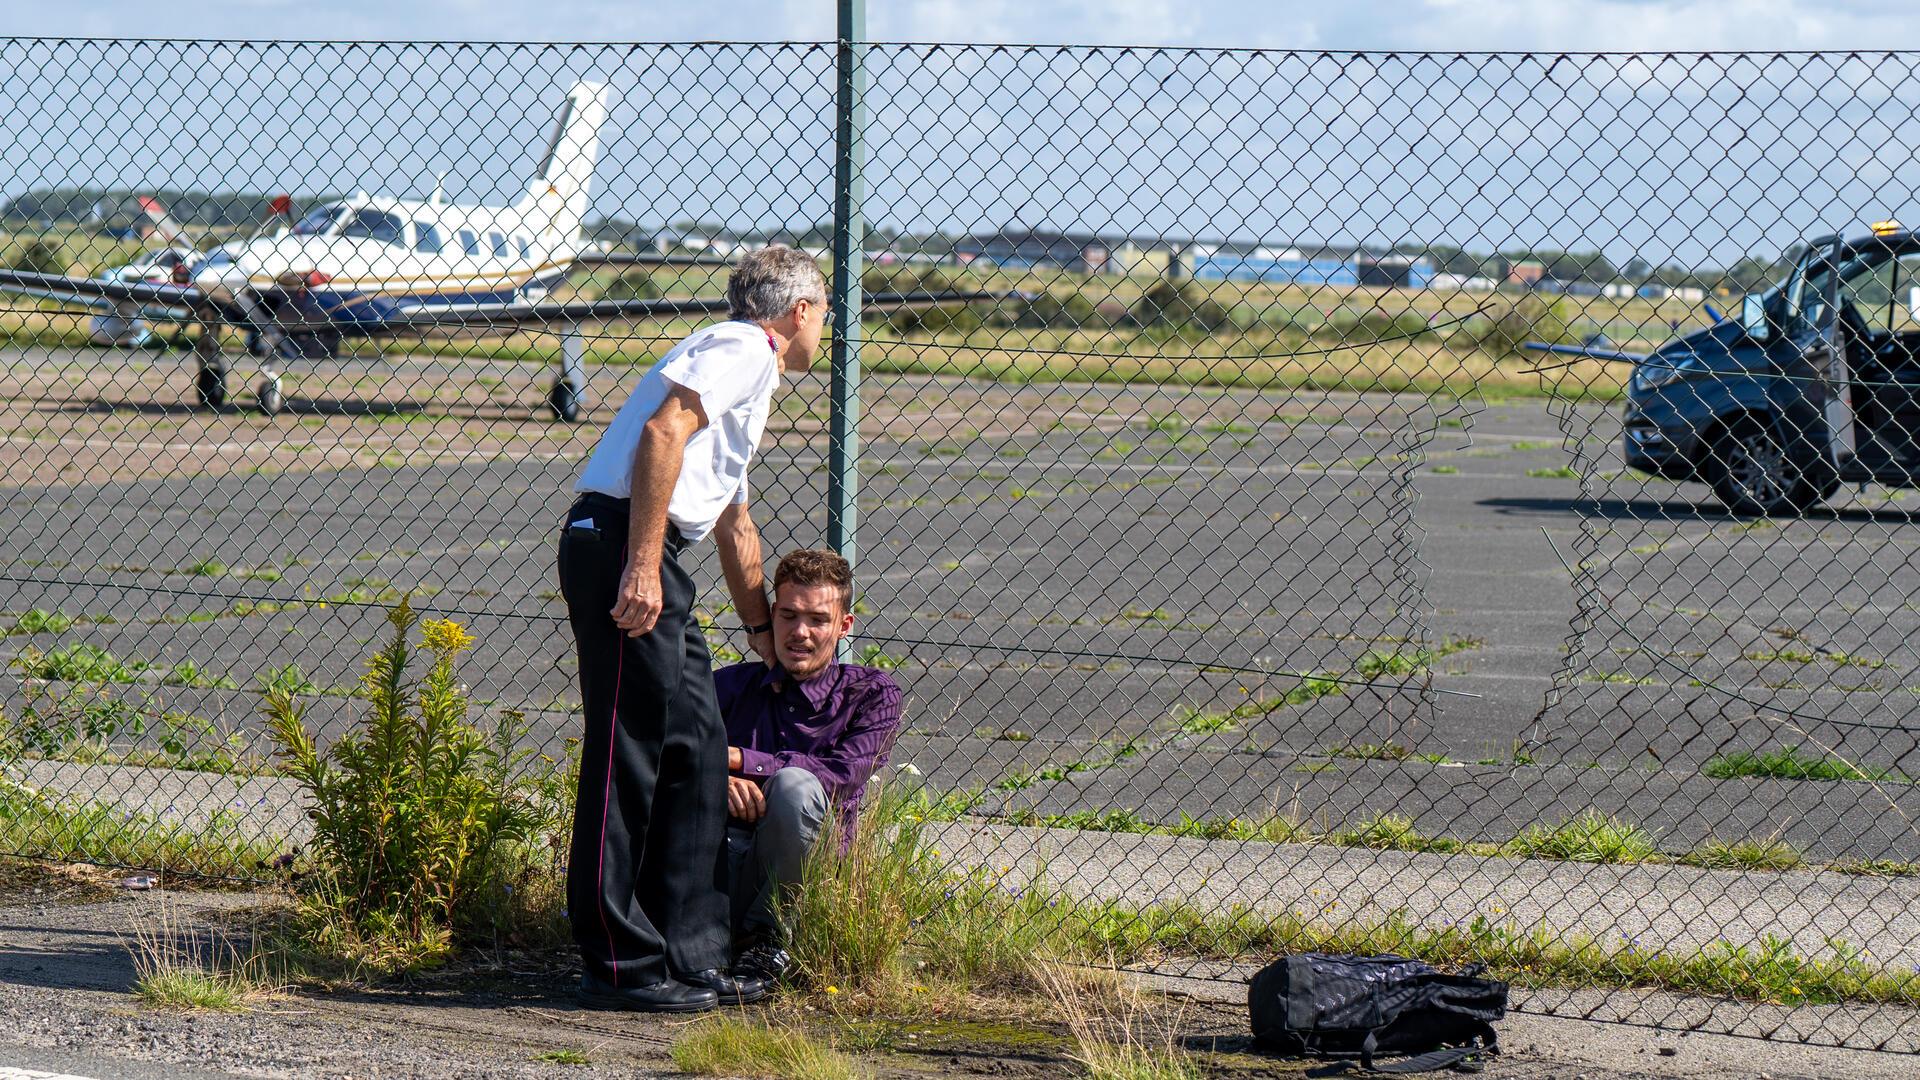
<point x="734" y="369"/>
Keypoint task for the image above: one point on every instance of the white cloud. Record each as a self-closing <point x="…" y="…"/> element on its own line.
<point x="1446" y="25"/>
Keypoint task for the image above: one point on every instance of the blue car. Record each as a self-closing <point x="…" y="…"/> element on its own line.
<point x="1816" y="384"/>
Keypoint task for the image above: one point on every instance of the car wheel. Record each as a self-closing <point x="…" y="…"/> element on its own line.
<point x="1754" y="474"/>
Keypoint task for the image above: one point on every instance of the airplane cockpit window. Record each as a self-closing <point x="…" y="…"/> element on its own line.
<point x="377" y="225"/>
<point x="470" y="241"/>
<point x="526" y="249"/>
<point x="499" y="244"/>
<point x="426" y="238"/>
<point x="317" y="222"/>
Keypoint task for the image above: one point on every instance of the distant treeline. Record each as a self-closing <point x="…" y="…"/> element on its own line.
<point x="116" y="208"/>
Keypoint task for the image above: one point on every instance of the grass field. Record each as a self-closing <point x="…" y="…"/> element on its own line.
<point x="1278" y="336"/>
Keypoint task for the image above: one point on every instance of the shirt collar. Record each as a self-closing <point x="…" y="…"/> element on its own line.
<point x="816" y="690"/>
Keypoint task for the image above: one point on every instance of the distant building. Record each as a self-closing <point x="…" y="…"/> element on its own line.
<point x="1023" y="249"/>
<point x="1463" y="282"/>
<point x="1286" y="265"/>
<point x="1526" y="274"/>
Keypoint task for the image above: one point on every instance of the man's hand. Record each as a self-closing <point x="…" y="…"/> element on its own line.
<point x="745" y="800"/>
<point x="762" y="644"/>
<point x="638" y="603"/>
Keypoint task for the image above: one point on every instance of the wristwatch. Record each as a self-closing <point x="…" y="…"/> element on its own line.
<point x="763" y="628"/>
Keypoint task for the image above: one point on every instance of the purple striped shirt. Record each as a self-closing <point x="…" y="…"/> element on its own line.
<point x="838" y="725"/>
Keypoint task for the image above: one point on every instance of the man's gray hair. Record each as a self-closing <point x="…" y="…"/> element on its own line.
<point x="767" y="283"/>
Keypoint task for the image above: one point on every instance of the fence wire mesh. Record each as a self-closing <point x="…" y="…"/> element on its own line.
<point x="1250" y="583"/>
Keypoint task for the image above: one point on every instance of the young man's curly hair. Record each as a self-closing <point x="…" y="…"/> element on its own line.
<point x="817" y="566"/>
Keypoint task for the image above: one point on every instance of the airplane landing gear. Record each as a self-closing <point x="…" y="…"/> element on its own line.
<point x="269" y="395"/>
<point x="564" y="400"/>
<point x="210" y="387"/>
<point x="567" y="399"/>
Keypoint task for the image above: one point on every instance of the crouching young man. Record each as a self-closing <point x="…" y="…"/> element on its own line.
<point x="803" y="736"/>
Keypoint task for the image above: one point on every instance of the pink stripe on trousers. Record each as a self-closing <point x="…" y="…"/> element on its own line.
<point x="606" y="795"/>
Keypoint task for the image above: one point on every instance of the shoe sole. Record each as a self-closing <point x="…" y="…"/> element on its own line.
<point x="744" y="999"/>
<point x="612" y="1003"/>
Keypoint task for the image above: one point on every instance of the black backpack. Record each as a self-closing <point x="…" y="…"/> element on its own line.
<point x="1319" y="1005"/>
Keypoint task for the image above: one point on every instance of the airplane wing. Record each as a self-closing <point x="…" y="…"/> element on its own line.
<point x="95" y="293"/>
<point x="1614" y="356"/>
<point x="631" y="258"/>
<point x="502" y="316"/>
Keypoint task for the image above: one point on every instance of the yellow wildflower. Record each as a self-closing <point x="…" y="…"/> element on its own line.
<point x="445" y="635"/>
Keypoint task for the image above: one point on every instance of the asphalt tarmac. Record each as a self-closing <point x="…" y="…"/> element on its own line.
<point x="1097" y="597"/>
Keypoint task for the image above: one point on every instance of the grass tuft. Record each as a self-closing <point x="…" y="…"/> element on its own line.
<point x="1769" y="854"/>
<point x="730" y="1046"/>
<point x="1115" y="1043"/>
<point x="1591" y="837"/>
<point x="1788" y="763"/>
<point x="194" y="968"/>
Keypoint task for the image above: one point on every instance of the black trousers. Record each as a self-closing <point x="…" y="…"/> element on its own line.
<point x="648" y="862"/>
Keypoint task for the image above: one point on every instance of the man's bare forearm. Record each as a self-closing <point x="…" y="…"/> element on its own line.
<point x="656" y="466"/>
<point x="741" y="562"/>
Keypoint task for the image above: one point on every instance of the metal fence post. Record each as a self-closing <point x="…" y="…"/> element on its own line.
<point x="849" y="236"/>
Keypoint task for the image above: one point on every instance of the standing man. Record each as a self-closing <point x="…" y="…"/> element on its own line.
<point x="647" y="863"/>
<point x="803" y="739"/>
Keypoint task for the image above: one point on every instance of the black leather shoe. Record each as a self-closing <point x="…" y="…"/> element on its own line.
<point x="732" y="988"/>
<point x="666" y="996"/>
<point x="766" y="960"/>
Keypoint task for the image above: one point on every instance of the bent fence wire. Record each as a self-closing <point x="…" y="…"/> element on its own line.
<point x="1248" y="579"/>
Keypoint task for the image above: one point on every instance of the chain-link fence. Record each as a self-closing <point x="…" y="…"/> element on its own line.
<point x="1226" y="545"/>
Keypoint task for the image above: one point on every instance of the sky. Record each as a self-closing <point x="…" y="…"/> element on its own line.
<point x="1557" y="25"/>
<point x="1674" y="159"/>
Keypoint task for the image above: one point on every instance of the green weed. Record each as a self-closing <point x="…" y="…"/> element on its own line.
<point x="38" y="621"/>
<point x="872" y="655"/>
<point x="1590" y="837"/>
<point x="731" y="1046"/>
<point x="1788" y="763"/>
<point x="415" y="813"/>
<point x="1770" y="854"/>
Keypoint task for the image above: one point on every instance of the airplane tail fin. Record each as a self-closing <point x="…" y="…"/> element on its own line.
<point x="556" y="199"/>
<point x="161" y="226"/>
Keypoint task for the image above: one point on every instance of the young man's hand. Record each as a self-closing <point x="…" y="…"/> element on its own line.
<point x="762" y="645"/>
<point x="745" y="801"/>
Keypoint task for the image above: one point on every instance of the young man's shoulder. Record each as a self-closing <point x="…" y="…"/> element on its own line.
<point x="740" y="676"/>
<point x="872" y="680"/>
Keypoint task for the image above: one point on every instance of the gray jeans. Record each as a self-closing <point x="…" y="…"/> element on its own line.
<point x="772" y="850"/>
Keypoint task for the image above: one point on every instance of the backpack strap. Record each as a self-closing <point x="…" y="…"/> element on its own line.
<point x="1452" y="1057"/>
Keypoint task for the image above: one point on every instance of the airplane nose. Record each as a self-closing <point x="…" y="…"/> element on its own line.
<point x="219" y="277"/>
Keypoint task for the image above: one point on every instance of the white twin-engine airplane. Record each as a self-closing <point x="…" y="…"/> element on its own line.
<point x="371" y="266"/>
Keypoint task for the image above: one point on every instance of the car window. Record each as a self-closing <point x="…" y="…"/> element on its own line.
<point x="377" y="225"/>
<point x="1887" y="294"/>
<point x="426" y="238"/>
